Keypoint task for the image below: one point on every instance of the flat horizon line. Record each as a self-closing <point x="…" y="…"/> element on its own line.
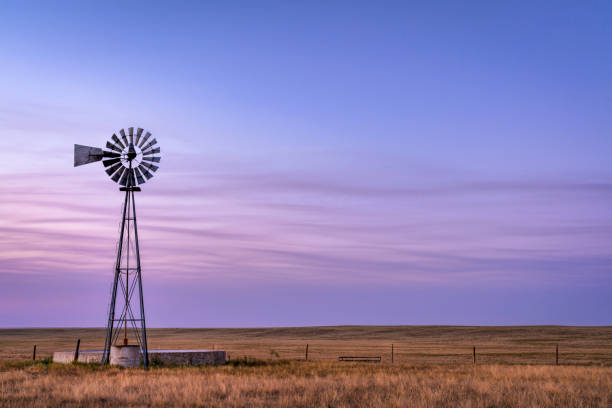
<point x="314" y="326"/>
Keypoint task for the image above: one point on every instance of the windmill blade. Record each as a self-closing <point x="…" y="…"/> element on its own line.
<point x="151" y="167"/>
<point x="150" y="152"/>
<point x="118" y="174"/>
<point x="124" y="177"/>
<point x="86" y="154"/>
<point x="112" y="169"/>
<point x="138" y="134"/>
<point x="116" y="140"/>
<point x="111" y="154"/>
<point x="124" y="137"/>
<point x="110" y="162"/>
<point x="131" y="133"/>
<point x="139" y="177"/>
<point x="152" y="159"/>
<point x="145" y="171"/>
<point x="151" y="143"/>
<point x="111" y="146"/>
<point x="144" y="140"/>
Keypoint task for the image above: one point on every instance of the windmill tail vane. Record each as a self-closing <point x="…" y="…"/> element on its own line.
<point x="130" y="160"/>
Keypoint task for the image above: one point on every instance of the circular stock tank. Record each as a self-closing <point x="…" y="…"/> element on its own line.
<point x="125" y="356"/>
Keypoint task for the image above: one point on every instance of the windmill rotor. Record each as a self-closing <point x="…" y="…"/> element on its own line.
<point x="127" y="158"/>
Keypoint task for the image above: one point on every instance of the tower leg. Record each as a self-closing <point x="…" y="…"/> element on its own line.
<point x="143" y="327"/>
<point x="111" y="312"/>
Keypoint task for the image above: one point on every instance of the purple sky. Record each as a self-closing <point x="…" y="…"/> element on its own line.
<point x="349" y="163"/>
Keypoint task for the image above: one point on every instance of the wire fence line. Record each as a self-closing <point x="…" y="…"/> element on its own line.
<point x="433" y="354"/>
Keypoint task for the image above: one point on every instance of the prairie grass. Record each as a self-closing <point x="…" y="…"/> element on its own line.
<point x="286" y="383"/>
<point x="412" y="344"/>
<point x="267" y="369"/>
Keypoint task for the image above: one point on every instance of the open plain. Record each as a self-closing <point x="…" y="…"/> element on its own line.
<point x="432" y="366"/>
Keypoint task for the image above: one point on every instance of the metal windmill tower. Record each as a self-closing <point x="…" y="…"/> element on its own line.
<point x="128" y="161"/>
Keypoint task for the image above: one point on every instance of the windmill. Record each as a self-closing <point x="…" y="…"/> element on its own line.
<point x="129" y="161"/>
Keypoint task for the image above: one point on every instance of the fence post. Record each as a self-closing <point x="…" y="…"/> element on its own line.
<point x="474" y="354"/>
<point x="306" y="351"/>
<point x="557" y="354"/>
<point x="392" y="352"/>
<point x="76" y="352"/>
<point x="34" y="353"/>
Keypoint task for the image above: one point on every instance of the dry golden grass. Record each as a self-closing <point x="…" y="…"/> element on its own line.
<point x="308" y="384"/>
<point x="432" y="368"/>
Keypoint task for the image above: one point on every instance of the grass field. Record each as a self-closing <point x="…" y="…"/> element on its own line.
<point x="432" y="368"/>
<point x="412" y="344"/>
<point x="308" y="384"/>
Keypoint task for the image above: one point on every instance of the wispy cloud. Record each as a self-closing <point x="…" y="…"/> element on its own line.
<point x="311" y="227"/>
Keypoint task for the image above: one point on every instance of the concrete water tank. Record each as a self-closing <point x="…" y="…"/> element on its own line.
<point x="125" y="356"/>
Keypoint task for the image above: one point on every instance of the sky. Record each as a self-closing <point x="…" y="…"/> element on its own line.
<point x="322" y="163"/>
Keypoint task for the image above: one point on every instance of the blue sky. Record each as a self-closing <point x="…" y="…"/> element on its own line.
<point x="447" y="161"/>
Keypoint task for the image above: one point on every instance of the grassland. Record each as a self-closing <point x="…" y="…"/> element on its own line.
<point x="412" y="344"/>
<point x="432" y="368"/>
<point x="308" y="384"/>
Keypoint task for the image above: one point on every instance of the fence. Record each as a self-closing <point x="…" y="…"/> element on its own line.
<point x="405" y="353"/>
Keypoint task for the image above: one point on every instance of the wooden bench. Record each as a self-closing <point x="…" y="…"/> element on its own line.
<point x="361" y="359"/>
